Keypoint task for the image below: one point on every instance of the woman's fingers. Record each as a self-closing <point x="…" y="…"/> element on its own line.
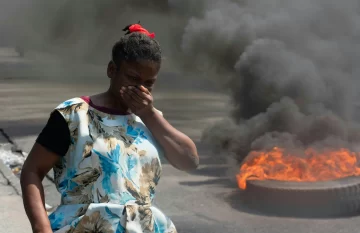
<point x="135" y="98"/>
<point x="142" y="94"/>
<point x="138" y="95"/>
<point x="144" y="89"/>
<point x="133" y="105"/>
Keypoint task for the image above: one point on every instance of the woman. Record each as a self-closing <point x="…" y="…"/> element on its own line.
<point x="105" y="151"/>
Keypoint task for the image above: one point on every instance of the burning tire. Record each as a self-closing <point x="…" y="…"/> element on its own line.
<point x="305" y="199"/>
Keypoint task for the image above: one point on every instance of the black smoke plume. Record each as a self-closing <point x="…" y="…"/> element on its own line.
<point x="291" y="70"/>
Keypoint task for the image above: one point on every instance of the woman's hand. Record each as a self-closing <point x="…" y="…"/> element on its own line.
<point x="139" y="99"/>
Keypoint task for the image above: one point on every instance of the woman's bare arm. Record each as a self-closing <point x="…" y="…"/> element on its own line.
<point x="37" y="165"/>
<point x="179" y="149"/>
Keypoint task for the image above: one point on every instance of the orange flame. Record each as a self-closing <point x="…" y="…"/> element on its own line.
<point x="314" y="166"/>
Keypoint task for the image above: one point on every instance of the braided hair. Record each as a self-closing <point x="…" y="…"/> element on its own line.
<point x="137" y="44"/>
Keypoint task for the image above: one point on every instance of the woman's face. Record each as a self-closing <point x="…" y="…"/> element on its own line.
<point x="132" y="74"/>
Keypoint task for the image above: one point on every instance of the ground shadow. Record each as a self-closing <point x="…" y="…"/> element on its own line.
<point x="213" y="169"/>
<point x="218" y="181"/>
<point x="240" y="201"/>
<point x="200" y="224"/>
<point x="23" y="128"/>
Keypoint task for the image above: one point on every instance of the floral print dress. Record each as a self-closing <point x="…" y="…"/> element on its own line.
<point x="108" y="177"/>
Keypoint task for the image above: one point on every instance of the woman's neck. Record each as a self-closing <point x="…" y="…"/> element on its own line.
<point x="109" y="100"/>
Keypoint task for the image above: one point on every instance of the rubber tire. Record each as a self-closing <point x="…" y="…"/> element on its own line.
<point x="305" y="199"/>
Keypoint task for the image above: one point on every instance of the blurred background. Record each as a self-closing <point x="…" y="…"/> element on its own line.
<point x="72" y="40"/>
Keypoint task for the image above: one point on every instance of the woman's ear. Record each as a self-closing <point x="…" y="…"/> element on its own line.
<point x="111" y="69"/>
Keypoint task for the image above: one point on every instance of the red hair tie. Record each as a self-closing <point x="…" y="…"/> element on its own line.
<point x="138" y="28"/>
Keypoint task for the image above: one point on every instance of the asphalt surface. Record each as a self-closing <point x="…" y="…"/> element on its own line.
<point x="12" y="215"/>
<point x="206" y="200"/>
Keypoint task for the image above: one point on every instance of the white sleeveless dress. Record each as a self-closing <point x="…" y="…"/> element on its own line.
<point x="108" y="177"/>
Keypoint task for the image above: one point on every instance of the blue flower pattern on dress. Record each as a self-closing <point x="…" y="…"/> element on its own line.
<point x="136" y="134"/>
<point x="67" y="183"/>
<point x="109" y="165"/>
<point x="118" y="177"/>
<point x="67" y="103"/>
<point x="131" y="164"/>
<point x="119" y="228"/>
<point x="126" y="197"/>
<point x="56" y="220"/>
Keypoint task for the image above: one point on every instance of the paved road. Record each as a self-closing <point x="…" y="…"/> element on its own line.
<point x="206" y="200"/>
<point x="12" y="215"/>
